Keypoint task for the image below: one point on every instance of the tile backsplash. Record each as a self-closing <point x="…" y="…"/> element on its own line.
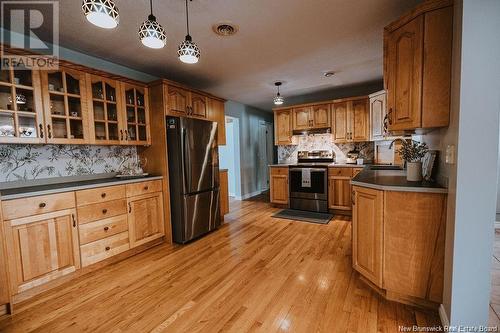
<point x="288" y="154"/>
<point x="28" y="162"/>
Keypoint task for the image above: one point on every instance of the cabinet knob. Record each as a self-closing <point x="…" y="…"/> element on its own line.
<point x="106" y="228"/>
<point x="42" y="204"/>
<point x="41" y="130"/>
<point x="107" y="248"/>
<point x="146" y="188"/>
<point x="104" y="211"/>
<point x="389" y="116"/>
<point x="103" y="195"/>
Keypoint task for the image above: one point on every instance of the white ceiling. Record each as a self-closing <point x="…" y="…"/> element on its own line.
<point x="290" y="40"/>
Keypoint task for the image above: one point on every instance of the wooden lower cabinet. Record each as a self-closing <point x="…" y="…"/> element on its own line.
<point x="278" y="184"/>
<point x="339" y="187"/>
<point x="145" y="218"/>
<point x="224" y="193"/>
<point x="367" y="221"/>
<point x="41" y="248"/>
<point x="4" y="282"/>
<point x="104" y="248"/>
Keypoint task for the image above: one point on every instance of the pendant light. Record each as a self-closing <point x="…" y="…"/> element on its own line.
<point x="189" y="52"/>
<point x="102" y="13"/>
<point x="151" y="33"/>
<point x="278" y="100"/>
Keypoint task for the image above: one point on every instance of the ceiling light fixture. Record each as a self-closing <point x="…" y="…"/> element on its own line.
<point x="189" y="52"/>
<point x="278" y="100"/>
<point x="102" y="13"/>
<point x="151" y="33"/>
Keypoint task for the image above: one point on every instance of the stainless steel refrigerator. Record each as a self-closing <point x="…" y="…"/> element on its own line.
<point x="193" y="162"/>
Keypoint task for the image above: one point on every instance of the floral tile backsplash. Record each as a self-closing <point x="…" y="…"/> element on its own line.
<point x="288" y="154"/>
<point x="28" y="162"/>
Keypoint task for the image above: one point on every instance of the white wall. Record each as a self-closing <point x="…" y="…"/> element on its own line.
<point x="229" y="156"/>
<point x="473" y="179"/>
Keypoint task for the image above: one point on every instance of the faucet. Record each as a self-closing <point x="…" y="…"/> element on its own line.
<point x="396" y="139"/>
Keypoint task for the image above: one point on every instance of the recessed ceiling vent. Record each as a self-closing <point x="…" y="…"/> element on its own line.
<point x="224" y="29"/>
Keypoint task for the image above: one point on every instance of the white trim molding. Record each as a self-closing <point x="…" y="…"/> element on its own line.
<point x="445" y="322"/>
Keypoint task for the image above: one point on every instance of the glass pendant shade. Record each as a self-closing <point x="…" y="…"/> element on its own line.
<point x="278" y="100"/>
<point x="102" y="13"/>
<point x="189" y="52"/>
<point x="152" y="34"/>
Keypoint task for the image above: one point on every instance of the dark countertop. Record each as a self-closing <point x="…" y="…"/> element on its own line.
<point x="42" y="189"/>
<point x="394" y="180"/>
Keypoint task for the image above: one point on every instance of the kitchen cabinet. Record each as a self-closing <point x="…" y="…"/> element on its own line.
<point x="65" y="106"/>
<point x="199" y="105"/>
<point x="308" y="117"/>
<point x="21" y="107"/>
<point x="184" y="102"/>
<point x="4" y="282"/>
<point x="417" y="67"/>
<point x="216" y="113"/>
<point x="339" y="188"/>
<point x="283" y="127"/>
<point x="367" y="221"/>
<point x="145" y="218"/>
<point x="351" y="120"/>
<point x="224" y="193"/>
<point x="278" y="184"/>
<point x="41" y="248"/>
<point x="136" y="115"/>
<point x="378" y="119"/>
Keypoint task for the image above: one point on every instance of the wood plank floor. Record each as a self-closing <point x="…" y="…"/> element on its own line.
<point x="255" y="274"/>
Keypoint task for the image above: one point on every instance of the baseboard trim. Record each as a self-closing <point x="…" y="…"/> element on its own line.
<point x="249" y="195"/>
<point x="443" y="316"/>
<point x="497" y="225"/>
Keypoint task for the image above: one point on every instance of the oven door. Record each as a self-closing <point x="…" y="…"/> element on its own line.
<point x="319" y="184"/>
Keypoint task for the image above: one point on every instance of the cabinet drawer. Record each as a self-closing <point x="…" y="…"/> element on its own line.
<point x="101" y="210"/>
<point x="279" y="171"/>
<point x="143" y="188"/>
<point x="340" y="172"/>
<point x="104" y="248"/>
<point x="101" y="229"/>
<point x="100" y="194"/>
<point x="17" y="208"/>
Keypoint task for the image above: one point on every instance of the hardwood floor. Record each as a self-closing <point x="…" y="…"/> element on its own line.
<point x="256" y="273"/>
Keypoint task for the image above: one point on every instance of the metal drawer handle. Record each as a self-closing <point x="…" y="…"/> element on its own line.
<point x="106" y="228"/>
<point x="42" y="204"/>
<point x="74" y="220"/>
<point x="41" y="131"/>
<point x="104" y="211"/>
<point x="129" y="208"/>
<point x="103" y="195"/>
<point x="107" y="248"/>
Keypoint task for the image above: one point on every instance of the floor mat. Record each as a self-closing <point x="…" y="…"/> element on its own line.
<point x="300" y="215"/>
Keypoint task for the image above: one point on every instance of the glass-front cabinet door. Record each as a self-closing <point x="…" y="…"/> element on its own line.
<point x="136" y="118"/>
<point x="105" y="107"/>
<point x="65" y="106"/>
<point x="21" y="110"/>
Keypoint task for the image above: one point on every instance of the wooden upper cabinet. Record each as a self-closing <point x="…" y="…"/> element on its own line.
<point x="145" y="218"/>
<point x="367" y="233"/>
<point x="378" y="112"/>
<point x="65" y="106"/>
<point x="321" y="115"/>
<point x="418" y="68"/>
<point x="199" y="105"/>
<point x="301" y="118"/>
<point x="21" y="108"/>
<point x="340" y="130"/>
<point x="283" y="127"/>
<point x="360" y="120"/>
<point x="135" y="117"/>
<point x="105" y="108"/>
<point x="216" y="113"/>
<point x="178" y="101"/>
<point x="41" y="248"/>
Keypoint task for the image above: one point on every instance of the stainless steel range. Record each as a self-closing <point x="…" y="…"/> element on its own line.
<point x="309" y="181"/>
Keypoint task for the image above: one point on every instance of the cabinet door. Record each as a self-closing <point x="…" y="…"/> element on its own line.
<point x="145" y="218"/>
<point x="21" y="108"/>
<point x="340" y="122"/>
<point x="216" y="113"/>
<point x="282" y="127"/>
<point x="321" y="115"/>
<point x="136" y="115"/>
<point x="4" y="285"/>
<point x="178" y="101"/>
<point x="359" y="121"/>
<point x="279" y="185"/>
<point x="65" y="106"/>
<point x="339" y="192"/>
<point x="302" y="118"/>
<point x="404" y="84"/>
<point x="41" y="248"/>
<point x="224" y="193"/>
<point x="367" y="227"/>
<point x="199" y="105"/>
<point x="377" y="116"/>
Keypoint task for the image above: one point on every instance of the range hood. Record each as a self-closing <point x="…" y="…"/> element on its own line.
<point x="310" y="131"/>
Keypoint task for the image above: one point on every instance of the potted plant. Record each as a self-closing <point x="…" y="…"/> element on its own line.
<point x="412" y="153"/>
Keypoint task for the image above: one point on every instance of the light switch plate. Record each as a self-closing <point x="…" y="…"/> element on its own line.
<point x="450" y="154"/>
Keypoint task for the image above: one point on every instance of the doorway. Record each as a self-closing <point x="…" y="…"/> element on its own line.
<point x="229" y="156"/>
<point x="265" y="154"/>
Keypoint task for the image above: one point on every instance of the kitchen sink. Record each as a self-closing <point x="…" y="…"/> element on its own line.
<point x="385" y="167"/>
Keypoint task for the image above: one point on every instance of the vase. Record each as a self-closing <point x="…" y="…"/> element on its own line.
<point x="414" y="171"/>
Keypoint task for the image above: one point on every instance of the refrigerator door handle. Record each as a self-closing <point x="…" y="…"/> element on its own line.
<point x="185" y="161"/>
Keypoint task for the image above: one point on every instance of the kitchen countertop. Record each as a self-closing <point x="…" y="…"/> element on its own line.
<point x="43" y="189"/>
<point x="394" y="180"/>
